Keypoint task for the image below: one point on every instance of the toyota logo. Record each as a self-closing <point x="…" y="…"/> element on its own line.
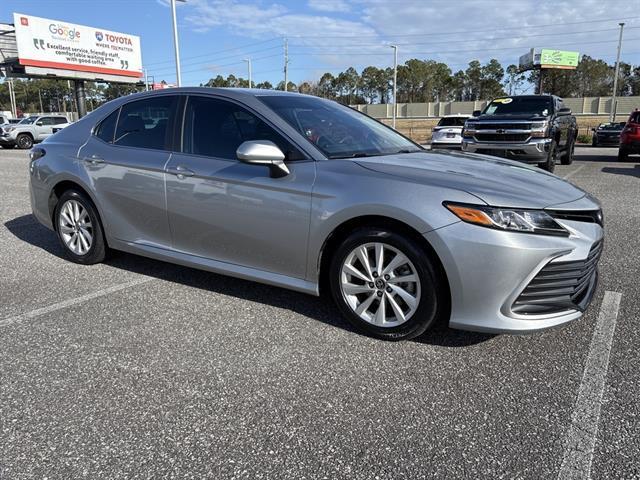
<point x="500" y="130"/>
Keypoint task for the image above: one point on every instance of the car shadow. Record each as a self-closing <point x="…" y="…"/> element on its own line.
<point x="631" y="170"/>
<point x="27" y="229"/>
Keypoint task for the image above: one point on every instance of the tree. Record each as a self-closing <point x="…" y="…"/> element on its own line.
<point x="291" y="87"/>
<point x="264" y="85"/>
<point x="326" y="86"/>
<point x="515" y="80"/>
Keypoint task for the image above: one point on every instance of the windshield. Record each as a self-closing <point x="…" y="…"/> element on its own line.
<point x="519" y="105"/>
<point x="611" y="126"/>
<point x="452" y="122"/>
<point x="338" y="131"/>
<point x="27" y="121"/>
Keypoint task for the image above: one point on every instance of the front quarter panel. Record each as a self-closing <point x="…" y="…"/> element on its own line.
<point x="344" y="191"/>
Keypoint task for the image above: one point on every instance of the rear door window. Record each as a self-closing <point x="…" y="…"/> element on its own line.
<point x="146" y="123"/>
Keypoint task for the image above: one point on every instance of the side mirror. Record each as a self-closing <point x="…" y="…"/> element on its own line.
<point x="39" y="123"/>
<point x="564" y="111"/>
<point x="263" y="152"/>
<point x="477" y="113"/>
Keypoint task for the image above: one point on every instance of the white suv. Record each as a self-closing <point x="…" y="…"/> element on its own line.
<point x="30" y="130"/>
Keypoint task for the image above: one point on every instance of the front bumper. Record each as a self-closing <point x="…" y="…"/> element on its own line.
<point x="488" y="270"/>
<point x="533" y="151"/>
<point x="5" y="139"/>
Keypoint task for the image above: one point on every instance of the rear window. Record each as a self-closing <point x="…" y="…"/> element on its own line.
<point x="452" y="122"/>
<point x="144" y="123"/>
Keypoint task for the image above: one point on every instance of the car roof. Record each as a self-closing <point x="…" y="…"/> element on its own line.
<point x="227" y="92"/>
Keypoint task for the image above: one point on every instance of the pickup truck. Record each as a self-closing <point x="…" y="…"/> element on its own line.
<point x="536" y="129"/>
<point x="30" y="130"/>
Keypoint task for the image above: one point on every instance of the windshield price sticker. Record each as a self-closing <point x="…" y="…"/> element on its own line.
<point x="503" y="100"/>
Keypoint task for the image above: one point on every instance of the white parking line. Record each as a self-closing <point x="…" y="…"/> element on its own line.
<point x="72" y="301"/>
<point x="581" y="438"/>
<point x="573" y="172"/>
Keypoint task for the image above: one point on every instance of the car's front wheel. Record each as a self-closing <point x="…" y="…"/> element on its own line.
<point x="550" y="164"/>
<point x="24" y="141"/>
<point x="385" y="284"/>
<point x="623" y="154"/>
<point x="567" y="158"/>
<point x="79" y="229"/>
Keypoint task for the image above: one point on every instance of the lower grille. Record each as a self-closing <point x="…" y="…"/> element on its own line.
<point x="502" y="137"/>
<point x="561" y="286"/>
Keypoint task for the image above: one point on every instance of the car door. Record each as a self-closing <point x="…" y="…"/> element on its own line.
<point x="44" y="128"/>
<point x="125" y="159"/>
<point x="225" y="210"/>
<point x="563" y="124"/>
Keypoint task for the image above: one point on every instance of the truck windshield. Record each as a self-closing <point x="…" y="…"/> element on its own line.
<point x="27" y="121"/>
<point x="519" y="105"/>
<point x="338" y="131"/>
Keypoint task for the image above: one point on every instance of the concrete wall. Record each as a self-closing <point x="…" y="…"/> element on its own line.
<point x="579" y="106"/>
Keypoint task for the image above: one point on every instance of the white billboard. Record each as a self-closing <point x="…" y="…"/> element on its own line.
<point x="57" y="45"/>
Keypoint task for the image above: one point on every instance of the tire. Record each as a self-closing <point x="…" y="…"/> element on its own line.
<point x="623" y="155"/>
<point x="69" y="223"/>
<point x="417" y="301"/>
<point x="594" y="143"/>
<point x="24" y="141"/>
<point x="550" y="164"/>
<point x="567" y="158"/>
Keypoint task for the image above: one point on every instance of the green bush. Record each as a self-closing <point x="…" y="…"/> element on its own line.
<point x="584" y="138"/>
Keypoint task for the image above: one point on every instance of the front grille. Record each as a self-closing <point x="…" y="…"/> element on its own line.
<point x="504" y="126"/>
<point x="560" y="286"/>
<point x="502" y="137"/>
<point x="589" y="216"/>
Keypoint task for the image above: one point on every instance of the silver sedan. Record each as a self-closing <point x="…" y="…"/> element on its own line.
<point x="303" y="193"/>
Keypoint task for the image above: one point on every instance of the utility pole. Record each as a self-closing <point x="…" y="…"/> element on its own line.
<point x="146" y="80"/>
<point x="615" y="78"/>
<point x="286" y="63"/>
<point x="248" y="60"/>
<point x="12" y="98"/>
<point x="395" y="82"/>
<point x="176" y="45"/>
<point x="40" y="97"/>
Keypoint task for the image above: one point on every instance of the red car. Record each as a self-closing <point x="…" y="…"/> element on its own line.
<point x="630" y="137"/>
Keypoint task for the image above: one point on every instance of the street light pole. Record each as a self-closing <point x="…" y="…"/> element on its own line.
<point x="286" y="63"/>
<point x="615" y="78"/>
<point x="146" y="79"/>
<point x="175" y="41"/>
<point x="395" y="81"/>
<point x="248" y="60"/>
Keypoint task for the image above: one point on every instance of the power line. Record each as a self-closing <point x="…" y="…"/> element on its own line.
<point x="467" y="40"/>
<point x="498" y="29"/>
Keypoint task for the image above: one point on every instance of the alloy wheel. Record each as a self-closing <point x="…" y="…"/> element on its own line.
<point x="75" y="227"/>
<point x="380" y="284"/>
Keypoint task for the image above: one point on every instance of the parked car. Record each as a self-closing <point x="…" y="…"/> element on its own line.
<point x="448" y="132"/>
<point x="630" y="137"/>
<point x="30" y="130"/>
<point x="303" y="193"/>
<point x="57" y="128"/>
<point x="607" y="134"/>
<point x="535" y="129"/>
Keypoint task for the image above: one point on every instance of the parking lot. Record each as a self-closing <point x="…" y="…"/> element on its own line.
<point x="141" y="369"/>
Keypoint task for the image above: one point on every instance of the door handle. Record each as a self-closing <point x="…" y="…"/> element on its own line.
<point x="94" y="159"/>
<point x="180" y="171"/>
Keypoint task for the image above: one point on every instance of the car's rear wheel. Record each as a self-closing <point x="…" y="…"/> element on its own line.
<point x="623" y="154"/>
<point x="385" y="284"/>
<point x="79" y="228"/>
<point x="24" y="141"/>
<point x="550" y="164"/>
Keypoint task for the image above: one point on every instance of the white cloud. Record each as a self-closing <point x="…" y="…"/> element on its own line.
<point x="329" y="5"/>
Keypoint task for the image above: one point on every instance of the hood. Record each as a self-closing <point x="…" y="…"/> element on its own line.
<point x="515" y="116"/>
<point x="498" y="182"/>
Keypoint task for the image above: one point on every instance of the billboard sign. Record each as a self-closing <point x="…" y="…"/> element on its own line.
<point x="57" y="45"/>
<point x="558" y="59"/>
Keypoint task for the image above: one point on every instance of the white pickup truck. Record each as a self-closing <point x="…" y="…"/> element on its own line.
<point x="30" y="130"/>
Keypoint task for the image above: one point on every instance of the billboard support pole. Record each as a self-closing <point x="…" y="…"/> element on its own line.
<point x="80" y="97"/>
<point x="540" y="81"/>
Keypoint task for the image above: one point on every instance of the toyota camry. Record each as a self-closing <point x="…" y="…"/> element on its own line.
<point x="303" y="193"/>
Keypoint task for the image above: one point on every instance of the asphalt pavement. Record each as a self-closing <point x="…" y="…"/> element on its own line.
<point x="141" y="369"/>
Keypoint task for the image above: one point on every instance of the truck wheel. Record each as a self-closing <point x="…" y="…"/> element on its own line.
<point x="24" y="141"/>
<point x="594" y="142"/>
<point x="550" y="164"/>
<point x="567" y="158"/>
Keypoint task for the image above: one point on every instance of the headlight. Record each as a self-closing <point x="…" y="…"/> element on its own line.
<point x="9" y="129"/>
<point x="539" y="129"/>
<point x="511" y="219"/>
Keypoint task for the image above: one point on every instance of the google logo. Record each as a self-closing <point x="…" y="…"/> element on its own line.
<point x="64" y="31"/>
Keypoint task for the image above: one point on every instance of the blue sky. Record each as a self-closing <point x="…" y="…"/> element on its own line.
<point x="330" y="35"/>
